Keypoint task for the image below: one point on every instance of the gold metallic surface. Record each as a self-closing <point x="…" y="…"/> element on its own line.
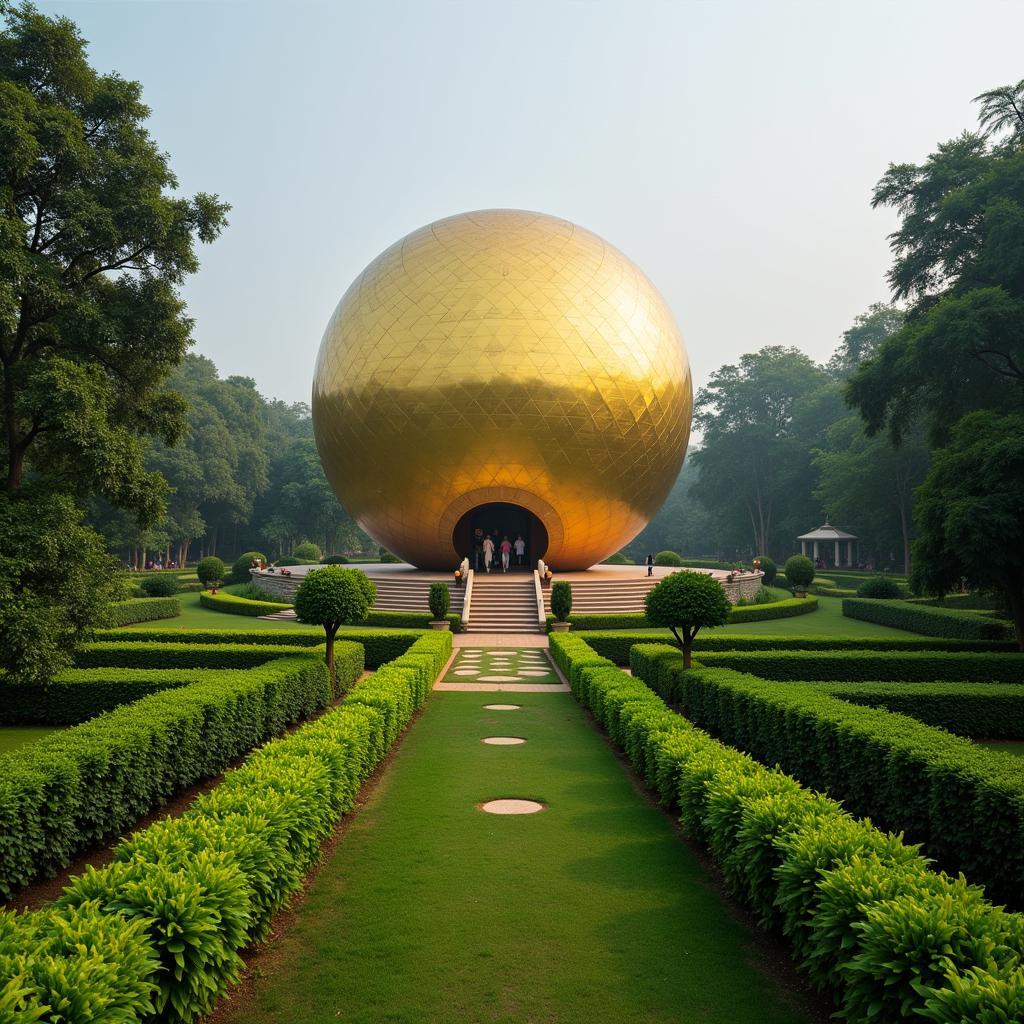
<point x="502" y="356"/>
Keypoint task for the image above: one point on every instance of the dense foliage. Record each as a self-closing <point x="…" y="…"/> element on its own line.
<point x="561" y="600"/>
<point x="211" y="571"/>
<point x="799" y="571"/>
<point x="439" y="599"/>
<point x="880" y="588"/>
<point x="685" y="602"/>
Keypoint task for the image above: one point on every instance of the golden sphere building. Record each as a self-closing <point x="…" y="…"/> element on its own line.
<point x="502" y="371"/>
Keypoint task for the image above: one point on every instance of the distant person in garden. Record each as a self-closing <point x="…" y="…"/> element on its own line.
<point x="506" y="553"/>
<point x="520" y="549"/>
<point x="650" y="565"/>
<point x="488" y="552"/>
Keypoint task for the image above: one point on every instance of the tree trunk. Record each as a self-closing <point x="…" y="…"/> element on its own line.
<point x="687" y="649"/>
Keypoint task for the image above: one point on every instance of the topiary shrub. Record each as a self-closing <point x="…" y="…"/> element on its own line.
<point x="799" y="570"/>
<point x="160" y="585"/>
<point x="768" y="567"/>
<point x="335" y="560"/>
<point x="561" y="600"/>
<point x="439" y="600"/>
<point x="240" y="570"/>
<point x="309" y="551"/>
<point x="386" y="556"/>
<point x="333" y="597"/>
<point x="880" y="589"/>
<point x="668" y="558"/>
<point x="211" y="572"/>
<point x="684" y="602"/>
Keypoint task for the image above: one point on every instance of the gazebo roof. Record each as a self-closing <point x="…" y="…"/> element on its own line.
<point x="827" y="532"/>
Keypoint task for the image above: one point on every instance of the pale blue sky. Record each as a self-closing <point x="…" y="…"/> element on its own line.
<point x="728" y="148"/>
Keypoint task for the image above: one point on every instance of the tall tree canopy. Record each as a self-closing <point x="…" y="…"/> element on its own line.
<point x="94" y="244"/>
<point x="959" y="260"/>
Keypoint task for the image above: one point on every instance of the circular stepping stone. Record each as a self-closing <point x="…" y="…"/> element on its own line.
<point x="502" y="707"/>
<point x="534" y="672"/>
<point x="511" y="807"/>
<point x="499" y="679"/>
<point x="467" y="672"/>
<point x="501" y="654"/>
<point x="503" y="741"/>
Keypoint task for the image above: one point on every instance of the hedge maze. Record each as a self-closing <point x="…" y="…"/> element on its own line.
<point x="837" y="786"/>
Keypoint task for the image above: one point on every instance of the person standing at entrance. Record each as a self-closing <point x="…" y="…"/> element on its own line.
<point x="488" y="552"/>
<point x="478" y="548"/>
<point x="506" y="552"/>
<point x="520" y="547"/>
<point x="650" y="565"/>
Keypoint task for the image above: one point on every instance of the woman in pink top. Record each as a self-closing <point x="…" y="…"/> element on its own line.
<point x="506" y="551"/>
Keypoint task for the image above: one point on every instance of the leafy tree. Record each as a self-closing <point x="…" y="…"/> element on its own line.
<point x="211" y="571"/>
<point x="959" y="260"/>
<point x="969" y="512"/>
<point x="94" y="245"/>
<point x="333" y="597"/>
<point x="308" y="550"/>
<point x="799" y="570"/>
<point x="56" y="583"/>
<point x="863" y="339"/>
<point x="685" y="602"/>
<point x="760" y="420"/>
<point x="769" y="568"/>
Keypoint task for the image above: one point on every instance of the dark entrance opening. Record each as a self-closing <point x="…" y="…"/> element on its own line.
<point x="499" y="520"/>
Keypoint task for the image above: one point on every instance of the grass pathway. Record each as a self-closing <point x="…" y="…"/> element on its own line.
<point x="432" y="911"/>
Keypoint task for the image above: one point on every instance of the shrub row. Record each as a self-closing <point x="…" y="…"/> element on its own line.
<point x="961" y="602"/>
<point x="223" y="602"/>
<point x="583" y="621"/>
<point x="159" y="931"/>
<point x="981" y="710"/>
<point x="872" y="666"/>
<point x="616" y="645"/>
<point x="80" y="694"/>
<point x="381" y="645"/>
<point x="143" y="609"/>
<point x="963" y="802"/>
<point x="69" y="790"/>
<point x="919" y="618"/>
<point x="409" y="620"/>
<point x="134" y="654"/>
<point x="869" y="922"/>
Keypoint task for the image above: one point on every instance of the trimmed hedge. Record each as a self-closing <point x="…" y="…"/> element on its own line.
<point x="77" y="695"/>
<point x="872" y="666"/>
<point x="919" y="618"/>
<point x="963" y="802"/>
<point x="409" y="620"/>
<point x="380" y="645"/>
<point x="616" y="645"/>
<point x="890" y="939"/>
<point x="583" y="622"/>
<point x="185" y="895"/>
<point x="223" y="602"/>
<point x="70" y="790"/>
<point x="131" y="654"/>
<point x="142" y="609"/>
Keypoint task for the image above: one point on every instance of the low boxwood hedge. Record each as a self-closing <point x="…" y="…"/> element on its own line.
<point x="871" y="666"/>
<point x="142" y="609"/>
<point x="616" y="645"/>
<point x="224" y="602"/>
<point x="963" y="802"/>
<point x="162" y="927"/>
<point x="82" y="693"/>
<point x="381" y="645"/>
<point x="887" y="937"/>
<point x="71" y="789"/>
<point x="584" y="622"/>
<point x="135" y="654"/>
<point x="409" y="620"/>
<point x="919" y="618"/>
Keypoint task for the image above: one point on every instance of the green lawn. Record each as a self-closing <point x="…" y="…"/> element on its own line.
<point x="431" y="911"/>
<point x="1006" y="746"/>
<point x="14" y="736"/>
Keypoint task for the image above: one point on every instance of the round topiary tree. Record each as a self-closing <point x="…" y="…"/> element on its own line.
<point x="668" y="558"/>
<point x="240" y="570"/>
<point x="163" y="584"/>
<point x="335" y="560"/>
<point x="684" y="602"/>
<point x="561" y="600"/>
<point x="768" y="567"/>
<point x="333" y="597"/>
<point x="439" y="601"/>
<point x="799" y="570"/>
<point x="211" y="572"/>
<point x="309" y="551"/>
<point x="880" y="588"/>
<point x="617" y="559"/>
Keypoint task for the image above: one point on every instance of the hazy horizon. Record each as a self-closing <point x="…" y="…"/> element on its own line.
<point x="729" y="150"/>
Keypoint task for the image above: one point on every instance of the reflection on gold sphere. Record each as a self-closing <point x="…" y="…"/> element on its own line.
<point x="502" y="357"/>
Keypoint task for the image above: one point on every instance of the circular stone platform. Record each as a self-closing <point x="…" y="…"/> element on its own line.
<point x="511" y="806"/>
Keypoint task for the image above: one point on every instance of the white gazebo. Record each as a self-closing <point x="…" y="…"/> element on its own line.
<point x="828" y="534"/>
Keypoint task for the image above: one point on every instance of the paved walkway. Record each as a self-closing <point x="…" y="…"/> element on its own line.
<point x="489" y="669"/>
